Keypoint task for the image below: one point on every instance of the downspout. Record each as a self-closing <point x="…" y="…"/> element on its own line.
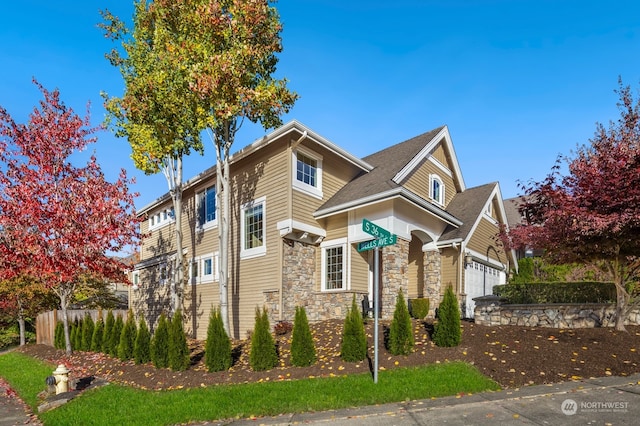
<point x="292" y="146"/>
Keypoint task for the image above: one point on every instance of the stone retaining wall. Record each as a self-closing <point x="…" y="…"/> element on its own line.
<point x="491" y="311"/>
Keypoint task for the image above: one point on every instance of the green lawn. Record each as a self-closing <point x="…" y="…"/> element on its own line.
<point x="116" y="404"/>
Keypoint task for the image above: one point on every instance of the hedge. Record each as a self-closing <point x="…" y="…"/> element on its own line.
<point x="556" y="292"/>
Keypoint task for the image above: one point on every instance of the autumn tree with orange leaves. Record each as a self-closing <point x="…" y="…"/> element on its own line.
<point x="59" y="222"/>
<point x="591" y="214"/>
<point x="194" y="67"/>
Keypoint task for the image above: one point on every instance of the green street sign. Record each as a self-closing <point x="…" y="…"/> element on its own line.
<point x="374" y="230"/>
<point x="378" y="242"/>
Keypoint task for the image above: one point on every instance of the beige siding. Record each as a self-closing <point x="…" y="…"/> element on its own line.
<point x="359" y="270"/>
<point x="484" y="241"/>
<point x="418" y="182"/>
<point x="450" y="274"/>
<point x="440" y="155"/>
<point x="415" y="269"/>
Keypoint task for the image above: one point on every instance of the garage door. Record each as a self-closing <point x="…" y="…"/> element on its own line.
<point x="479" y="281"/>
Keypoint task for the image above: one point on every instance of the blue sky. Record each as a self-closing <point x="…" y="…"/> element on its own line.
<point x="518" y="82"/>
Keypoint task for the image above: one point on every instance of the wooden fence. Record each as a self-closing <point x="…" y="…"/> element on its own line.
<point x="46" y="321"/>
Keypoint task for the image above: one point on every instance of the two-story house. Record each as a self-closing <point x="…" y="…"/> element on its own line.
<point x="298" y="203"/>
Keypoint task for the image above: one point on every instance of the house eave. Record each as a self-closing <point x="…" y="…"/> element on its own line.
<point x="388" y="195"/>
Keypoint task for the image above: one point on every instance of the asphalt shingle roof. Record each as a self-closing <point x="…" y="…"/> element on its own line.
<point x="467" y="206"/>
<point x="387" y="163"/>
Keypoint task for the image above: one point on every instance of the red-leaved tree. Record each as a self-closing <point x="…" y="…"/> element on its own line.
<point x="591" y="215"/>
<point x="59" y="221"/>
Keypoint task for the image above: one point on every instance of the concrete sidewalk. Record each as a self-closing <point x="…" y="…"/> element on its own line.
<point x="609" y="400"/>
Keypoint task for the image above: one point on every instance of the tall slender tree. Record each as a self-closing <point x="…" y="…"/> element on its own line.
<point x="212" y="61"/>
<point x="592" y="213"/>
<point x="59" y="221"/>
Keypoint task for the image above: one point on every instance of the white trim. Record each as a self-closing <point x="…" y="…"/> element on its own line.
<point x="289" y="225"/>
<point x="205" y="225"/>
<point x="314" y="191"/>
<point x="325" y="245"/>
<point x="199" y="262"/>
<point x="162" y="218"/>
<point x="441" y="166"/>
<point x="442" y="189"/>
<point x="255" y="251"/>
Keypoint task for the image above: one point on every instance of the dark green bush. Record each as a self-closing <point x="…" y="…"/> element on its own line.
<point x="263" y="354"/>
<point x="217" y="352"/>
<point x="142" y="346"/>
<point x="179" y="358"/>
<point x="303" y="351"/>
<point x="447" y="331"/>
<point x="116" y="333"/>
<point x="127" y="338"/>
<point x="401" y="330"/>
<point x="58" y="341"/>
<point x="419" y="307"/>
<point x="77" y="337"/>
<point x="98" y="333"/>
<point x="160" y="344"/>
<point x="87" y="332"/>
<point x="354" y="339"/>
<point x="556" y="292"/>
<point x="108" y="328"/>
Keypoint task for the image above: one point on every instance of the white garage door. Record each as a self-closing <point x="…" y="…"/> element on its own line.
<point x="479" y="280"/>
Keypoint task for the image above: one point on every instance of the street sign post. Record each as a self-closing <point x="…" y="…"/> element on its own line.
<point x="382" y="238"/>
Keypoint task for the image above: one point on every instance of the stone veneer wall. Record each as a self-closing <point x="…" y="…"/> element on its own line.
<point x="490" y="311"/>
<point x="395" y="261"/>
<point x="299" y="289"/>
<point x="432" y="279"/>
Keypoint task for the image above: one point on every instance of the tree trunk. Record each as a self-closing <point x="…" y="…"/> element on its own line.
<point x="222" y="193"/>
<point x="621" y="307"/>
<point x="64" y="301"/>
<point x="22" y="330"/>
<point x="177" y="284"/>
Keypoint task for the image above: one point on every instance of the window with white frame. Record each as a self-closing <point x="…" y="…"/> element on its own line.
<point x="436" y="189"/>
<point x="207" y="207"/>
<point x="252" y="224"/>
<point x="135" y="280"/>
<point x="307" y="172"/>
<point x="334" y="266"/>
<point x="204" y="268"/>
<point x="161" y="218"/>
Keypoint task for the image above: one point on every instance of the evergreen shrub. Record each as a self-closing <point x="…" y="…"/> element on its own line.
<point x="263" y="354"/>
<point x="217" y="352"/>
<point x="401" y="339"/>
<point x="303" y="351"/>
<point x="354" y="339"/>
<point x="447" y="331"/>
<point x="179" y="359"/>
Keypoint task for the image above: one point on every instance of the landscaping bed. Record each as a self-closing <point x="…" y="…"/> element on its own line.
<point x="512" y="356"/>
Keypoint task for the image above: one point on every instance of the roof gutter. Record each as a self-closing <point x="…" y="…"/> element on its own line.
<point x="382" y="196"/>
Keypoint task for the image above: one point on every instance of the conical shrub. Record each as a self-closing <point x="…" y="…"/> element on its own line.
<point x="142" y="347"/>
<point x="59" y="336"/>
<point x="303" y="351"/>
<point x="77" y="337"/>
<point x="127" y="338"/>
<point x="401" y="331"/>
<point x="447" y="331"/>
<point x="179" y="359"/>
<point x="87" y="332"/>
<point x="217" y="352"/>
<point x="160" y="344"/>
<point x="263" y="354"/>
<point x="354" y="339"/>
<point x="98" y="333"/>
<point x="106" y="335"/>
<point x="114" y="339"/>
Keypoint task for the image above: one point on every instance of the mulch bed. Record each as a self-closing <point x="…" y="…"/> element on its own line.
<point x="512" y="356"/>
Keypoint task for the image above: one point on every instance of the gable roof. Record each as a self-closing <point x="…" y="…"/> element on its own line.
<point x="468" y="207"/>
<point x="391" y="167"/>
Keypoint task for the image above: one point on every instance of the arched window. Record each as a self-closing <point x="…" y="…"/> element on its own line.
<point x="436" y="190"/>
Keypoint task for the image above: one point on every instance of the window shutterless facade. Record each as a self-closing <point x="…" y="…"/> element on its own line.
<point x="334" y="265"/>
<point x="436" y="189"/>
<point x="207" y="207"/>
<point x="307" y="172"/>
<point x="253" y="228"/>
<point x="161" y="218"/>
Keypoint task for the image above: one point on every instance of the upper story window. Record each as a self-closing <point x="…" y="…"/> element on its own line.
<point x="307" y="172"/>
<point x="161" y="218"/>
<point x="436" y="189"/>
<point x="207" y="207"/>
<point x="204" y="268"/>
<point x="252" y="224"/>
